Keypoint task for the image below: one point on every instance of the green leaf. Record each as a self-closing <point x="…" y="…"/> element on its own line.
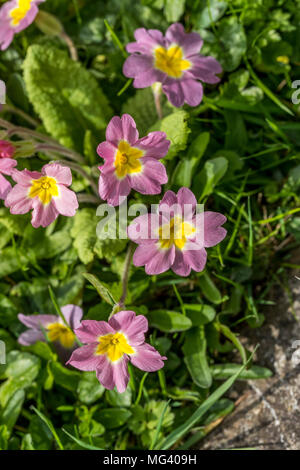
<point x="200" y="314"/>
<point x="64" y="94"/>
<point x="84" y="234"/>
<point x="12" y="409"/>
<point x="194" y="350"/>
<point x="176" y="128"/>
<point x="213" y="171"/>
<point x="66" y="378"/>
<point x="142" y="107"/>
<point x="233" y="43"/>
<point x="169" y="321"/>
<point x="112" y="418"/>
<point x="86" y="241"/>
<point x="236" y="135"/>
<point x="174" y="9"/>
<point x="233" y="338"/>
<point x="45" y="246"/>
<point x="223" y="371"/>
<point x="80" y="442"/>
<point x="119" y="400"/>
<point x="210" y="13"/>
<point x="100" y="288"/>
<point x="21" y="370"/>
<point x="209" y="290"/>
<point x="187" y="167"/>
<point x="8" y="311"/>
<point x="89" y="388"/>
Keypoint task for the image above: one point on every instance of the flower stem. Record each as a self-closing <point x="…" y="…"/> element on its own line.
<point x="125" y="275"/>
<point x="157" y="89"/>
<point x="71" y="45"/>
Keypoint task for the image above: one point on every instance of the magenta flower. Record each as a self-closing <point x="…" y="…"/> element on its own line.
<point x="15" y="16"/>
<point x="54" y="328"/>
<point x="6" y="168"/>
<point x="172" y="60"/>
<point x="130" y="162"/>
<point x="46" y="193"/>
<point x="110" y="345"/>
<point x="176" y="236"/>
<point x="7" y="150"/>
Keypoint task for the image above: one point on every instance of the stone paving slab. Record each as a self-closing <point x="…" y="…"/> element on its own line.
<point x="268" y="418"/>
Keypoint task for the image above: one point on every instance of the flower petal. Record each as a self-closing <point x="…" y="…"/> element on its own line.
<point x="134" y="326"/>
<point x="90" y="330"/>
<point x="191" y="42"/>
<point x="192" y="91"/>
<point x="66" y="203"/>
<point x="144" y="229"/>
<point x="62" y="174"/>
<point x="147" y="358"/>
<point x="84" y="358"/>
<point x="205" y="69"/>
<point x="43" y="215"/>
<point x="130" y="132"/>
<point x="31" y="337"/>
<point x="6" y="165"/>
<point x="107" y="151"/>
<point x="136" y="64"/>
<point x="174" y="92"/>
<point x="213" y="232"/>
<point x="113" y="190"/>
<point x="156" y="261"/>
<point x="149" y="181"/>
<point x="113" y="374"/>
<point x="5" y="187"/>
<point x="155" y="144"/>
<point x="18" y="201"/>
<point x="37" y="321"/>
<point x="73" y="315"/>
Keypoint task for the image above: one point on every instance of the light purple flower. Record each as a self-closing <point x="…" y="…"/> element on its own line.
<point x="15" y="16"/>
<point x="176" y="236"/>
<point x="110" y="345"/>
<point x="172" y="60"/>
<point x="55" y="329"/>
<point x="46" y="193"/>
<point x="6" y="168"/>
<point x="131" y="162"/>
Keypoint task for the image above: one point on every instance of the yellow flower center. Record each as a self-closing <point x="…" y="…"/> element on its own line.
<point x="61" y="333"/>
<point x="176" y="232"/>
<point x="45" y="188"/>
<point x="127" y="159"/>
<point x="19" y="13"/>
<point x="114" y="345"/>
<point x="170" y="61"/>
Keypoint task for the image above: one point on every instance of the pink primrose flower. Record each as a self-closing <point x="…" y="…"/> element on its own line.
<point x="130" y="162"/>
<point x="54" y="328"/>
<point x="174" y="61"/>
<point x="46" y="193"/>
<point x="110" y="345"/>
<point x="176" y="236"/>
<point x="15" y="16"/>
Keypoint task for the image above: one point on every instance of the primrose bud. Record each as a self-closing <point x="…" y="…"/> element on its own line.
<point x="48" y="24"/>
